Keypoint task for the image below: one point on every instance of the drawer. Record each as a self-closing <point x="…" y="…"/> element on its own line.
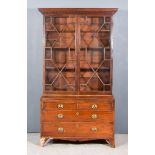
<point x="59" y="105"/>
<point x="66" y="116"/>
<point x="79" y="129"/>
<point x="95" y="105"/>
<point x="91" y="116"/>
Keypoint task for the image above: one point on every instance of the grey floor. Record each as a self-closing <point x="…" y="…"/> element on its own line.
<point x="65" y="148"/>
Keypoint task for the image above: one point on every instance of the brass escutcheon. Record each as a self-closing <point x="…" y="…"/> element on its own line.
<point x="60" y="106"/>
<point x="60" y="115"/>
<point x="94" y="106"/>
<point x="93" y="116"/>
<point x="94" y="129"/>
<point x="60" y="129"/>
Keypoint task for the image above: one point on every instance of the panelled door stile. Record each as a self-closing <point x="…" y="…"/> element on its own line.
<point x="77" y="34"/>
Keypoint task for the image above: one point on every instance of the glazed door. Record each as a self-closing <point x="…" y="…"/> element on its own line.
<point x="77" y="54"/>
<point x="59" y="59"/>
<point x="95" y="54"/>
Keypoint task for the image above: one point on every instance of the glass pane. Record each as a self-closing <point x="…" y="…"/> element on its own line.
<point x="95" y="54"/>
<point x="59" y="53"/>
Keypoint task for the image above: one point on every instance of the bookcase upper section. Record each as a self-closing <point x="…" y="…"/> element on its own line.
<point x="77" y="50"/>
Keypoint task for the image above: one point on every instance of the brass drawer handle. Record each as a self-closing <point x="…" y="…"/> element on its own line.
<point x="60" y="129"/>
<point x="93" y="116"/>
<point x="94" y="129"/>
<point x="60" y="116"/>
<point x="60" y="106"/>
<point x="94" y="106"/>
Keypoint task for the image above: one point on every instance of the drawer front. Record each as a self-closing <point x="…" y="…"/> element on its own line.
<point x="96" y="116"/>
<point x="95" y="105"/>
<point x="80" y="129"/>
<point x="54" y="116"/>
<point x="59" y="105"/>
<point x="66" y="116"/>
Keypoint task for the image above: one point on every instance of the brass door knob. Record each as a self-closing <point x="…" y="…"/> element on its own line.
<point x="94" y="129"/>
<point x="94" y="106"/>
<point x="60" y="129"/>
<point x="60" y="106"/>
<point x="60" y="116"/>
<point x="93" y="116"/>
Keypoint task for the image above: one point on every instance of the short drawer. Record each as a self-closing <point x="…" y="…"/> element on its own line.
<point x="74" y="115"/>
<point x="59" y="105"/>
<point x="95" y="105"/>
<point x="78" y="129"/>
<point x="90" y="116"/>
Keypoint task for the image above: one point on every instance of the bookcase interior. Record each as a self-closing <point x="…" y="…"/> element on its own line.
<point x="63" y="61"/>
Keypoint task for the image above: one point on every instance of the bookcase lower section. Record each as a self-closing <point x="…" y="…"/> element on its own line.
<point x="77" y="118"/>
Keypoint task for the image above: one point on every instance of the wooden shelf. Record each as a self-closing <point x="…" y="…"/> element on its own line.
<point x="94" y="48"/>
<point x="55" y="38"/>
<point x="60" y="31"/>
<point x="80" y="31"/>
<point x="60" y="48"/>
<point x="82" y="48"/>
<point x="65" y="69"/>
<point x="90" y="70"/>
<point x="81" y="69"/>
<point x="67" y="60"/>
<point x="91" y="48"/>
<point x="58" y="24"/>
<point x="95" y="31"/>
<point x="91" y="24"/>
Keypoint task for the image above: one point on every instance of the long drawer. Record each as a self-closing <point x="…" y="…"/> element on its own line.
<point x="75" y="115"/>
<point x="78" y="129"/>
